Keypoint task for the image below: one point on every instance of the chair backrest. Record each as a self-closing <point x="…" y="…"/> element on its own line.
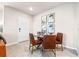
<point x="31" y="37"/>
<point x="2" y="47"/>
<point x="59" y="37"/>
<point x="2" y="50"/>
<point x="49" y="42"/>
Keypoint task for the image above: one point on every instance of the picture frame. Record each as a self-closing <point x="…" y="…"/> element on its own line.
<point x="48" y="24"/>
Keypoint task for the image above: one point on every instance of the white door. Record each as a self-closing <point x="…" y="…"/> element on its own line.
<point x="22" y="29"/>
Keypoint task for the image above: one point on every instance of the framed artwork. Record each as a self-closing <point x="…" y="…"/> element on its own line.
<point x="48" y="24"/>
<point x="44" y="25"/>
<point x="51" y="23"/>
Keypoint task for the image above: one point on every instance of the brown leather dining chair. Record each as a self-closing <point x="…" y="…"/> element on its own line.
<point x="34" y="42"/>
<point x="59" y="39"/>
<point x="49" y="43"/>
<point x="2" y="47"/>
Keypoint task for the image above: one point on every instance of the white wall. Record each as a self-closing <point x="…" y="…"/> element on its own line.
<point x="1" y="12"/>
<point x="11" y="17"/>
<point x="77" y="28"/>
<point x="64" y="22"/>
<point x="1" y="16"/>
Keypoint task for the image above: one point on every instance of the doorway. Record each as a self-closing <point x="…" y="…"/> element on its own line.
<point x="23" y="29"/>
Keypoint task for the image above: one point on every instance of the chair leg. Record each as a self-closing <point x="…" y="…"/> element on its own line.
<point x="61" y="47"/>
<point x="42" y="49"/>
<point x="32" y="50"/>
<point x="38" y="46"/>
<point x="29" y="46"/>
<point x="54" y="51"/>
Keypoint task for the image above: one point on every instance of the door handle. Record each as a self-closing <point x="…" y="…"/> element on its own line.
<point x="19" y="29"/>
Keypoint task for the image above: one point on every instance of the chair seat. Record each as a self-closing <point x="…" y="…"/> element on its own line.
<point x="36" y="42"/>
<point x="58" y="42"/>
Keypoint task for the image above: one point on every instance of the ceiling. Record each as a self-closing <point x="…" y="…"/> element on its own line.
<point x="38" y="7"/>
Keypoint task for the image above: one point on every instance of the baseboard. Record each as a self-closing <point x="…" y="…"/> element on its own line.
<point x="22" y="41"/>
<point x="71" y="49"/>
<point x="13" y="43"/>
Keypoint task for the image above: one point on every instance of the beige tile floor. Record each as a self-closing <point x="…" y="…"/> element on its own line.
<point x="22" y="50"/>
